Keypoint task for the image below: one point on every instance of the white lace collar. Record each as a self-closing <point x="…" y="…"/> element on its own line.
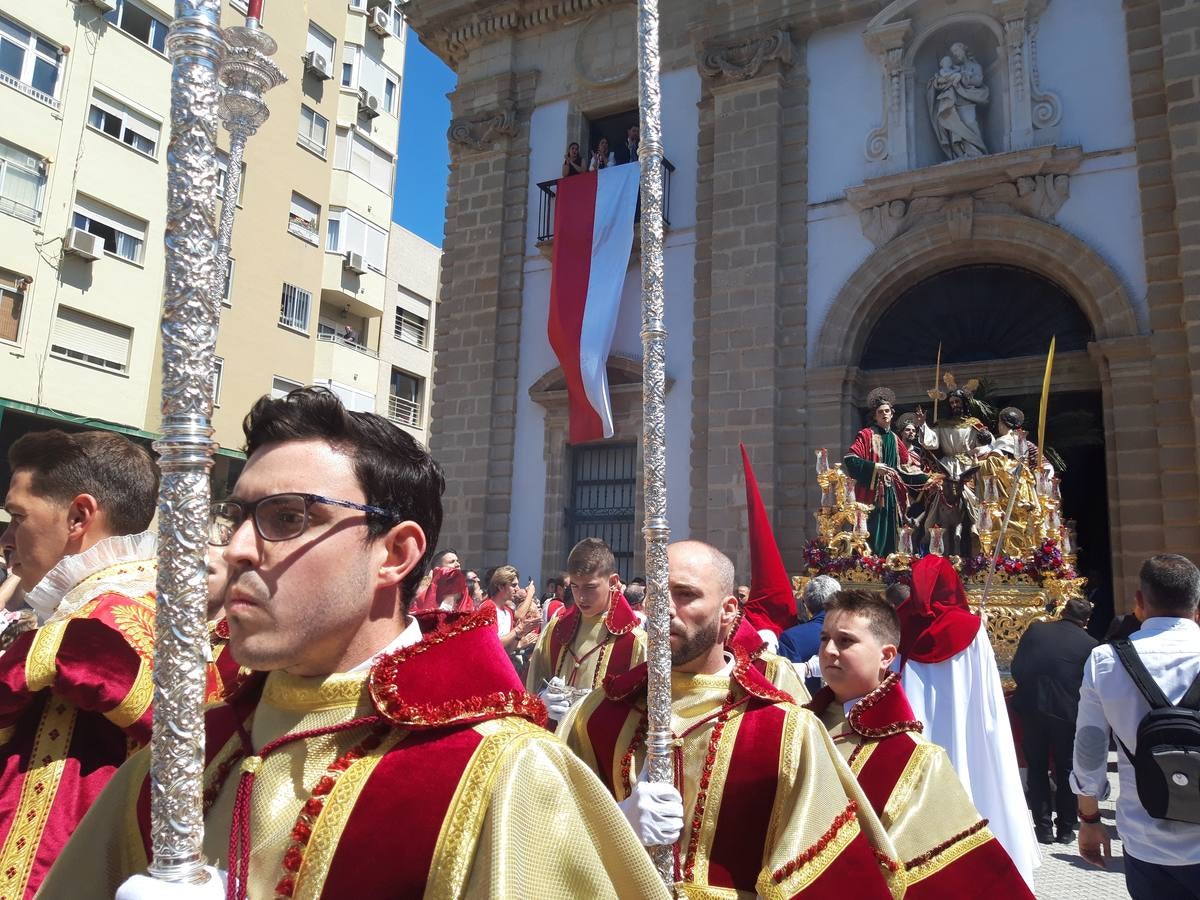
<point x="49" y="599"/>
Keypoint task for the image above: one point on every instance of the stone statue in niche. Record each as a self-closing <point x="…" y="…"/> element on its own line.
<point x="954" y="93"/>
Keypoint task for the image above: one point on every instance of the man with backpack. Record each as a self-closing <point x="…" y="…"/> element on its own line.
<point x="1145" y="691"/>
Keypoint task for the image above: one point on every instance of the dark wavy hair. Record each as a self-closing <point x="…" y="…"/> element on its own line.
<point x="120" y="474"/>
<point x="393" y="470"/>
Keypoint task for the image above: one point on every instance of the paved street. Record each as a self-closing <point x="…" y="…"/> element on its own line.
<point x="1063" y="875"/>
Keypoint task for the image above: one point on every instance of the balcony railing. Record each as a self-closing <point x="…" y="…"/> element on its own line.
<point x="305" y="229"/>
<point x="404" y="412"/>
<point x="549" y="190"/>
<point x="29" y="90"/>
<point x="347" y="342"/>
<point x="20" y="210"/>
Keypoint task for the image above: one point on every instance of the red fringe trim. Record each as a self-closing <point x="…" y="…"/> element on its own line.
<point x="456" y="712"/>
<point x="945" y="845"/>
<point x="874" y="698"/>
<point x="799" y="862"/>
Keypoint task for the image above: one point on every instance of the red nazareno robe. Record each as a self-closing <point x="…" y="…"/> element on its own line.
<point x="429" y="775"/>
<point x="75" y="700"/>
<point x="943" y="845"/>
<point x="770" y="810"/>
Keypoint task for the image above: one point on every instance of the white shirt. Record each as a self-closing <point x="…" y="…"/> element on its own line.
<point x="1108" y="700"/>
<point x="504" y="620"/>
<point x="409" y="636"/>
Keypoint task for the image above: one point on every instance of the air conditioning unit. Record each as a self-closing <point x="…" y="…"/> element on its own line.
<point x="353" y="262"/>
<point x="317" y="64"/>
<point x="380" y="20"/>
<point x="368" y="103"/>
<point x="105" y="6"/>
<point x="83" y="244"/>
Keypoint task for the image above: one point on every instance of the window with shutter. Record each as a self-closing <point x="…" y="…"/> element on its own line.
<point x="88" y="339"/>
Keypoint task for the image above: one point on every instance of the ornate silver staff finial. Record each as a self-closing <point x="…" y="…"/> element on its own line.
<point x="247" y="72"/>
<point x="654" y="425"/>
<point x="202" y="57"/>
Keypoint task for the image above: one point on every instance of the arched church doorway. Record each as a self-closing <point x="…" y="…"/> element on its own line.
<point x="994" y="323"/>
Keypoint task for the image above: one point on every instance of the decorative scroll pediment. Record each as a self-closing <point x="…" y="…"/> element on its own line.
<point x="1034" y="182"/>
<point x="479" y="132"/>
<point x="746" y="58"/>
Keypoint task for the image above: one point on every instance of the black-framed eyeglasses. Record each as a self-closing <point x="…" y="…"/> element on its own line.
<point x="279" y="517"/>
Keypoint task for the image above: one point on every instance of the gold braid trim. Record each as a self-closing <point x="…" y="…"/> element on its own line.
<point x="137" y="701"/>
<point x="41" y="662"/>
<point x="947" y="852"/>
<point x="6" y="734"/>
<point x="38" y="791"/>
<point x="452" y="855"/>
<point x="327" y="830"/>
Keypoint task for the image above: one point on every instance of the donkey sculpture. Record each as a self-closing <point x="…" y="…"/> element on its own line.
<point x="946" y="501"/>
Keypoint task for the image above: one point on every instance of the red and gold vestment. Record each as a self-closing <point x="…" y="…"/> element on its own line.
<point x="75" y="699"/>
<point x="582" y="651"/>
<point x="428" y="776"/>
<point x="944" y="846"/>
<point x="778" y="670"/>
<point x="770" y="809"/>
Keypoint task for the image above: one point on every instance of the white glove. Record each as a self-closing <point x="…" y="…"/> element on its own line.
<point x="770" y="638"/>
<point x="556" y="700"/>
<point x="143" y="887"/>
<point x="812" y="666"/>
<point x="655" y="811"/>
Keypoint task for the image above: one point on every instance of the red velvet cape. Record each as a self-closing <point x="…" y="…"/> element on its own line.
<point x="438" y="689"/>
<point x="885" y="718"/>
<point x="739" y="843"/>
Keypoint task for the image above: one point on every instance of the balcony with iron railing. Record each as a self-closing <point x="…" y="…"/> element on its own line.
<point x="345" y="361"/>
<point x="404" y="412"/>
<point x="549" y="192"/>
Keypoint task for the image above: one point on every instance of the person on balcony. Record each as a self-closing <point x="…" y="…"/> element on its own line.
<point x="572" y="161"/>
<point x="602" y="157"/>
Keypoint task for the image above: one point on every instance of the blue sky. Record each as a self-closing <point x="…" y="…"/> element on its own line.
<point x="424" y="154"/>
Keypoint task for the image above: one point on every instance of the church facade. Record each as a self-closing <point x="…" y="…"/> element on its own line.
<point x="854" y="187"/>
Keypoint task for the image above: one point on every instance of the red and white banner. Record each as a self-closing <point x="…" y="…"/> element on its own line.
<point x="593" y="237"/>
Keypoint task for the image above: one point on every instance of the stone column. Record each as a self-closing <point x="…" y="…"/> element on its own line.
<point x="745" y="83"/>
<point x="472" y="431"/>
<point x="1165" y="105"/>
<point x="1135" y="506"/>
<point x="1177" y="353"/>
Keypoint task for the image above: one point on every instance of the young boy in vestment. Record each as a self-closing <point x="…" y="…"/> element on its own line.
<point x="945" y="848"/>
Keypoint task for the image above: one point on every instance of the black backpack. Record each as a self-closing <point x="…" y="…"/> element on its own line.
<point x="1167" y="761"/>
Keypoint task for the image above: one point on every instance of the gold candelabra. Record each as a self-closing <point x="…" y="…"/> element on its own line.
<point x="841" y="519"/>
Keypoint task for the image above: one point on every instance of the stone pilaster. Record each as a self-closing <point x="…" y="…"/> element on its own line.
<point x="1163" y="150"/>
<point x="746" y="81"/>
<point x="479" y="315"/>
<point x="1131" y="460"/>
<point x="1177" y="321"/>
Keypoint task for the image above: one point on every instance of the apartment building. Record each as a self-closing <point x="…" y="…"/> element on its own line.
<point x="84" y="126"/>
<point x="406" y="347"/>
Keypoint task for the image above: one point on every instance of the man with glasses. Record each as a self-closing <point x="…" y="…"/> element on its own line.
<point x="365" y="759"/>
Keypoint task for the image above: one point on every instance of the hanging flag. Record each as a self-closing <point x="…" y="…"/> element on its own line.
<point x="593" y="237"/>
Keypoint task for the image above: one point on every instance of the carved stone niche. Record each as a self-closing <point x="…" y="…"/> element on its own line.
<point x="1034" y="182"/>
<point x="914" y="41"/>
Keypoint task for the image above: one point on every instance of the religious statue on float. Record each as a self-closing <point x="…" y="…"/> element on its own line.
<point x="1012" y="464"/>
<point x="954" y="94"/>
<point x="883" y="471"/>
<point x="957" y="444"/>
